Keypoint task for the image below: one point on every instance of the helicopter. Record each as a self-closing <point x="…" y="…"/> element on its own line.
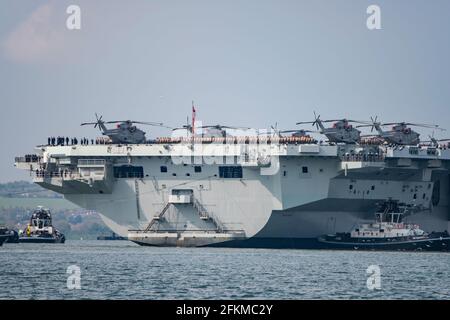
<point x="298" y="132"/>
<point x="341" y="131"/>
<point x="210" y="130"/>
<point x="400" y="133"/>
<point x="433" y="142"/>
<point x="219" y="130"/>
<point x="125" y="131"/>
<point x="188" y="127"/>
<point x="294" y="132"/>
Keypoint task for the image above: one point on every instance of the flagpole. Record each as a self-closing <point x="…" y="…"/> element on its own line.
<point x="193" y="118"/>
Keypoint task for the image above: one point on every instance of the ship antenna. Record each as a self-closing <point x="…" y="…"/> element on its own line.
<point x="193" y="118"/>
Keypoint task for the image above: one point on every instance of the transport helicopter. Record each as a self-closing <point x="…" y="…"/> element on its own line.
<point x="400" y="133"/>
<point x="299" y="132"/>
<point x="433" y="142"/>
<point x="294" y="132"/>
<point x="188" y="127"/>
<point x="209" y="131"/>
<point x="218" y="130"/>
<point x="341" y="130"/>
<point x="274" y="131"/>
<point x="125" y="131"/>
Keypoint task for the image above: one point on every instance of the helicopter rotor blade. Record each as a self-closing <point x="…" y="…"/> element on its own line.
<point x="117" y="121"/>
<point x="180" y="128"/>
<point x="95" y="124"/>
<point x="424" y="125"/>
<point x="219" y="127"/>
<point x="316" y="120"/>
<point x="184" y="127"/>
<point x="275" y="131"/>
<point x="157" y="124"/>
<point x="289" y="131"/>
<point x="333" y="120"/>
<point x="149" y="123"/>
<point x="299" y="131"/>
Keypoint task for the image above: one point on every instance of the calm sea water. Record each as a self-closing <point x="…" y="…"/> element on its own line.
<point x="123" y="270"/>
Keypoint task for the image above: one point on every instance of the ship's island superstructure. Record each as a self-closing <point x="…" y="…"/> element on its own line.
<point x="267" y="190"/>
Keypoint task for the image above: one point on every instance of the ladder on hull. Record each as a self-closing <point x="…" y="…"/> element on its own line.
<point x="198" y="206"/>
<point x="204" y="215"/>
<point x="158" y="217"/>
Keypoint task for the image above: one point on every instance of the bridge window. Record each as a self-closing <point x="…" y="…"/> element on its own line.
<point x="163" y="169"/>
<point x="128" y="172"/>
<point x="197" y="169"/>
<point x="230" y="172"/>
<point x="304" y="169"/>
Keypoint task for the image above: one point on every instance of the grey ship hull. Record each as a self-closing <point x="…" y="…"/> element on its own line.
<point x="306" y="192"/>
<point x="301" y="228"/>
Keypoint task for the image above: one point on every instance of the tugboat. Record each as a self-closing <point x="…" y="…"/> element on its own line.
<point x="388" y="232"/>
<point x="40" y="229"/>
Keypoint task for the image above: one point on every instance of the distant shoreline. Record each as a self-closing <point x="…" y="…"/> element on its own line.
<point x="51" y="203"/>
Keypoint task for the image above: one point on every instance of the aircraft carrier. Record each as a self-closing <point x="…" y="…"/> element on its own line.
<point x="276" y="189"/>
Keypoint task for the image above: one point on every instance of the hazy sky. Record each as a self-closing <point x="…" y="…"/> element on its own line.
<point x="247" y="62"/>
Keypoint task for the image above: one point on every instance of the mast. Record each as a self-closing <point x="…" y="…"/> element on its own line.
<point x="193" y="119"/>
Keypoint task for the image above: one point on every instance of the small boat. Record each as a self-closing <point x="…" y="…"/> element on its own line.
<point x="113" y="236"/>
<point x="40" y="229"/>
<point x="388" y="232"/>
